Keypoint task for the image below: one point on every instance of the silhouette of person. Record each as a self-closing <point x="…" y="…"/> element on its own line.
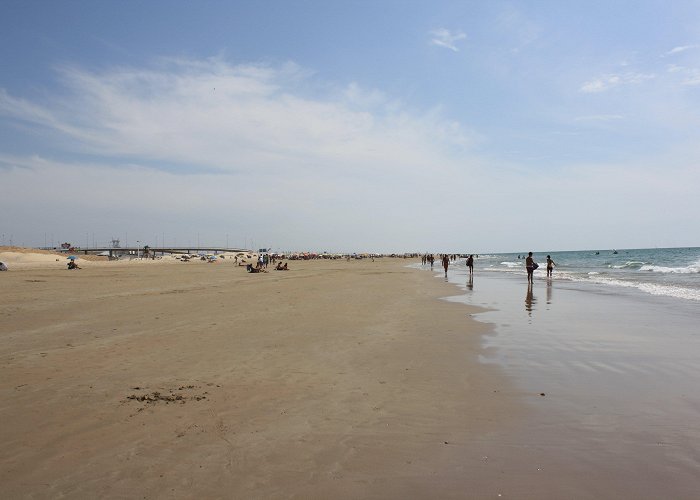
<point x="550" y="266"/>
<point x="530" y="266"/>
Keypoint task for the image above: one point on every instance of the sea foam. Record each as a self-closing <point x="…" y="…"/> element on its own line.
<point x="691" y="269"/>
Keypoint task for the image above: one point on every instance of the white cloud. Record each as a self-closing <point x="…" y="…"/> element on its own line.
<point x="211" y="115"/>
<point x="601" y="84"/>
<point x="445" y="38"/>
<point x="678" y="50"/>
<point x="610" y="81"/>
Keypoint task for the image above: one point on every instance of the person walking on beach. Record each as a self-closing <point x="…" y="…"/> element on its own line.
<point x="445" y="262"/>
<point x="530" y="265"/>
<point x="550" y="266"/>
<point x="470" y="264"/>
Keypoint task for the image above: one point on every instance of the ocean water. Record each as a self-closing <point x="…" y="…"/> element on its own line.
<point x="672" y="272"/>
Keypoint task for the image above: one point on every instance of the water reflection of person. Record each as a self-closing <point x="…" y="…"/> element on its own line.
<point x="530" y="300"/>
<point x="549" y="291"/>
<point x="470" y="283"/>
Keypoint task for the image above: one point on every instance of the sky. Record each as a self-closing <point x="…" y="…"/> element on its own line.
<point x="351" y="126"/>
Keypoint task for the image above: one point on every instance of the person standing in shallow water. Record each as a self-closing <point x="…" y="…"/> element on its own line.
<point x="445" y="262"/>
<point x="530" y="266"/>
<point x="470" y="264"/>
<point x="550" y="266"/>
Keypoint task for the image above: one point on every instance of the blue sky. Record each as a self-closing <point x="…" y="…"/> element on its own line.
<point x="351" y="126"/>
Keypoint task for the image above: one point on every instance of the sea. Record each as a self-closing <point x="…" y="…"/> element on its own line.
<point x="607" y="352"/>
<point x="672" y="272"/>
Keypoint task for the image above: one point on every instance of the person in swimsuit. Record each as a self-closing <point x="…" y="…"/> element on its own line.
<point x="470" y="264"/>
<point x="550" y="266"/>
<point x="530" y="266"/>
<point x="445" y="262"/>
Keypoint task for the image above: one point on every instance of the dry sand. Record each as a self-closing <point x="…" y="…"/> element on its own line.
<point x="192" y="380"/>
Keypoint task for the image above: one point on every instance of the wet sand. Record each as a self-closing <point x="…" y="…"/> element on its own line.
<point x="619" y="370"/>
<point x="192" y="380"/>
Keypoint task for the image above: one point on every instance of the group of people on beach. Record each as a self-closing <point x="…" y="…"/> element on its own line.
<point x="447" y="258"/>
<point x="530" y="264"/>
<point x="259" y="268"/>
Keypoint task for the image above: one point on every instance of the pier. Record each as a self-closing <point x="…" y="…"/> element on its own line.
<point x="149" y="250"/>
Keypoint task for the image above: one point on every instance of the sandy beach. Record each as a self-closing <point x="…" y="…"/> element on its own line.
<point x="489" y="216"/>
<point x="195" y="380"/>
<point x="336" y="379"/>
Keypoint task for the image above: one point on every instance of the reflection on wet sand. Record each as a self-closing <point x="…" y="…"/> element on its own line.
<point x="530" y="300"/>
<point x="470" y="283"/>
<point x="616" y="398"/>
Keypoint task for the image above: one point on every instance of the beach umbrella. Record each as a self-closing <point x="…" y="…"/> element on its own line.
<point x="72" y="257"/>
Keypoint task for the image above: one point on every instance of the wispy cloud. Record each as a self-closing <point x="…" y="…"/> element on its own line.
<point x="516" y="27"/>
<point x="212" y="115"/>
<point x="689" y="76"/>
<point x="598" y="118"/>
<point x="607" y="82"/>
<point x="682" y="48"/>
<point x="445" y="38"/>
<point x="692" y="78"/>
<point x="232" y="141"/>
<point x="601" y="84"/>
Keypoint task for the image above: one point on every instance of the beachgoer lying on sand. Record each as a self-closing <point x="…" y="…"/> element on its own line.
<point x="281" y="267"/>
<point x="252" y="269"/>
<point x="73" y="265"/>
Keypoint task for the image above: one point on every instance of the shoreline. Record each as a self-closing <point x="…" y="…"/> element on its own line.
<point x="617" y="371"/>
